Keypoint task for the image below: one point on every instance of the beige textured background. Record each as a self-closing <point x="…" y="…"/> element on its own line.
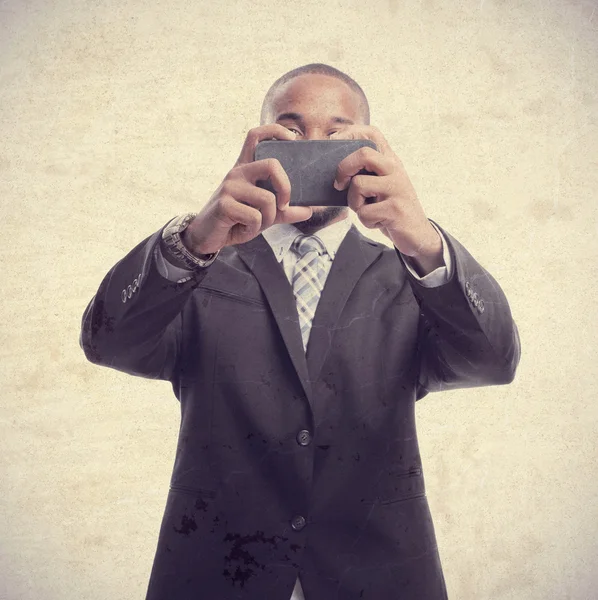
<point x="116" y="115"/>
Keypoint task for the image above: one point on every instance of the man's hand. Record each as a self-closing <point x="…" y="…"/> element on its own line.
<point x="387" y="200"/>
<point x="238" y="210"/>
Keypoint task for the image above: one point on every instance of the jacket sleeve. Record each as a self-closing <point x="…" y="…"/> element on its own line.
<point x="467" y="336"/>
<point x="134" y="321"/>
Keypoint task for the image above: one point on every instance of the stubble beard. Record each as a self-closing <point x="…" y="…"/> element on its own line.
<point x="319" y="219"/>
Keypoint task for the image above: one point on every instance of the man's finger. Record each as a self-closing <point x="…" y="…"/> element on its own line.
<point x="273" y="131"/>
<point x="294" y="214"/>
<point x="364" y="158"/>
<point x="258" y="198"/>
<point x="364" y="187"/>
<point x="270" y="168"/>
<point x="373" y="215"/>
<point x="246" y="219"/>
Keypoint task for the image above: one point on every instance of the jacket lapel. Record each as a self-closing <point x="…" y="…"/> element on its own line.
<point x="355" y="254"/>
<point x="258" y="257"/>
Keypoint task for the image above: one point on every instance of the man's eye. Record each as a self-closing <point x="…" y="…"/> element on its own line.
<point x="294" y="130"/>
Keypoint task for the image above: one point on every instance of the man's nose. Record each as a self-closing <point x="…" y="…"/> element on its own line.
<point x="316" y="134"/>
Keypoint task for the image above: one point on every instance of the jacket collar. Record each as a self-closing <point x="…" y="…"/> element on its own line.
<point x="281" y="236"/>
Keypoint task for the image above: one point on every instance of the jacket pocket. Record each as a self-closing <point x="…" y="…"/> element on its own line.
<point x="401" y="486"/>
<point x="197" y="492"/>
<point x="401" y="499"/>
<point x="231" y="296"/>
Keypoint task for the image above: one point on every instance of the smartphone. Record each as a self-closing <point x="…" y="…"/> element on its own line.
<point x="311" y="167"/>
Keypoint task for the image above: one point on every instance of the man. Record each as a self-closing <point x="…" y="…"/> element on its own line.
<point x="297" y="348"/>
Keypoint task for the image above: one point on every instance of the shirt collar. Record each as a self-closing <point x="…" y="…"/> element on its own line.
<point x="281" y="236"/>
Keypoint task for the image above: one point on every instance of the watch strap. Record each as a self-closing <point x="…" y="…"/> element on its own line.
<point x="173" y="243"/>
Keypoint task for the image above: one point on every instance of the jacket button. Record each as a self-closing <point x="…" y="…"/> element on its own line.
<point x="298" y="523"/>
<point x="304" y="437"/>
<point x="481" y="306"/>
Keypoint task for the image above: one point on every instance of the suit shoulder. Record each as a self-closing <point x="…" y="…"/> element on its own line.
<point x="386" y="247"/>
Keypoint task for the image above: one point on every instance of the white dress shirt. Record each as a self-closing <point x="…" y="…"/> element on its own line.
<point x="280" y="237"/>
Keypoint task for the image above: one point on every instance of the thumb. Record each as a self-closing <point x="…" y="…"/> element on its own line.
<point x="293" y="214"/>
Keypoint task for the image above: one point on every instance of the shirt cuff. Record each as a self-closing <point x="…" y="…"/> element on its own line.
<point x="170" y="271"/>
<point x="438" y="276"/>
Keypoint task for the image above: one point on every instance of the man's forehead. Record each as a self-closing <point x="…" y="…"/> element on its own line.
<point x="311" y="84"/>
<point x="315" y="90"/>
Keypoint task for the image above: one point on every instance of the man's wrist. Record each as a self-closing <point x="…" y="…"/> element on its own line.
<point x="176" y="249"/>
<point x="188" y="243"/>
<point x="430" y="257"/>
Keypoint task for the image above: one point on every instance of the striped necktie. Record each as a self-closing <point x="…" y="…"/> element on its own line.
<point x="308" y="280"/>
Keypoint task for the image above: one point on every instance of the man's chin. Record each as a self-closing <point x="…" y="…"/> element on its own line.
<point x="320" y="218"/>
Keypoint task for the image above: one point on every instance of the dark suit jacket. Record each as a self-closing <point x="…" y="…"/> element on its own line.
<point x="287" y="464"/>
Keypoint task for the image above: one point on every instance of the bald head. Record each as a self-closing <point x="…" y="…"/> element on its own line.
<point x="268" y="113"/>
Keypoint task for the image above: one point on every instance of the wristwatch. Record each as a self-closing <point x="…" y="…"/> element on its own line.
<point x="171" y="236"/>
